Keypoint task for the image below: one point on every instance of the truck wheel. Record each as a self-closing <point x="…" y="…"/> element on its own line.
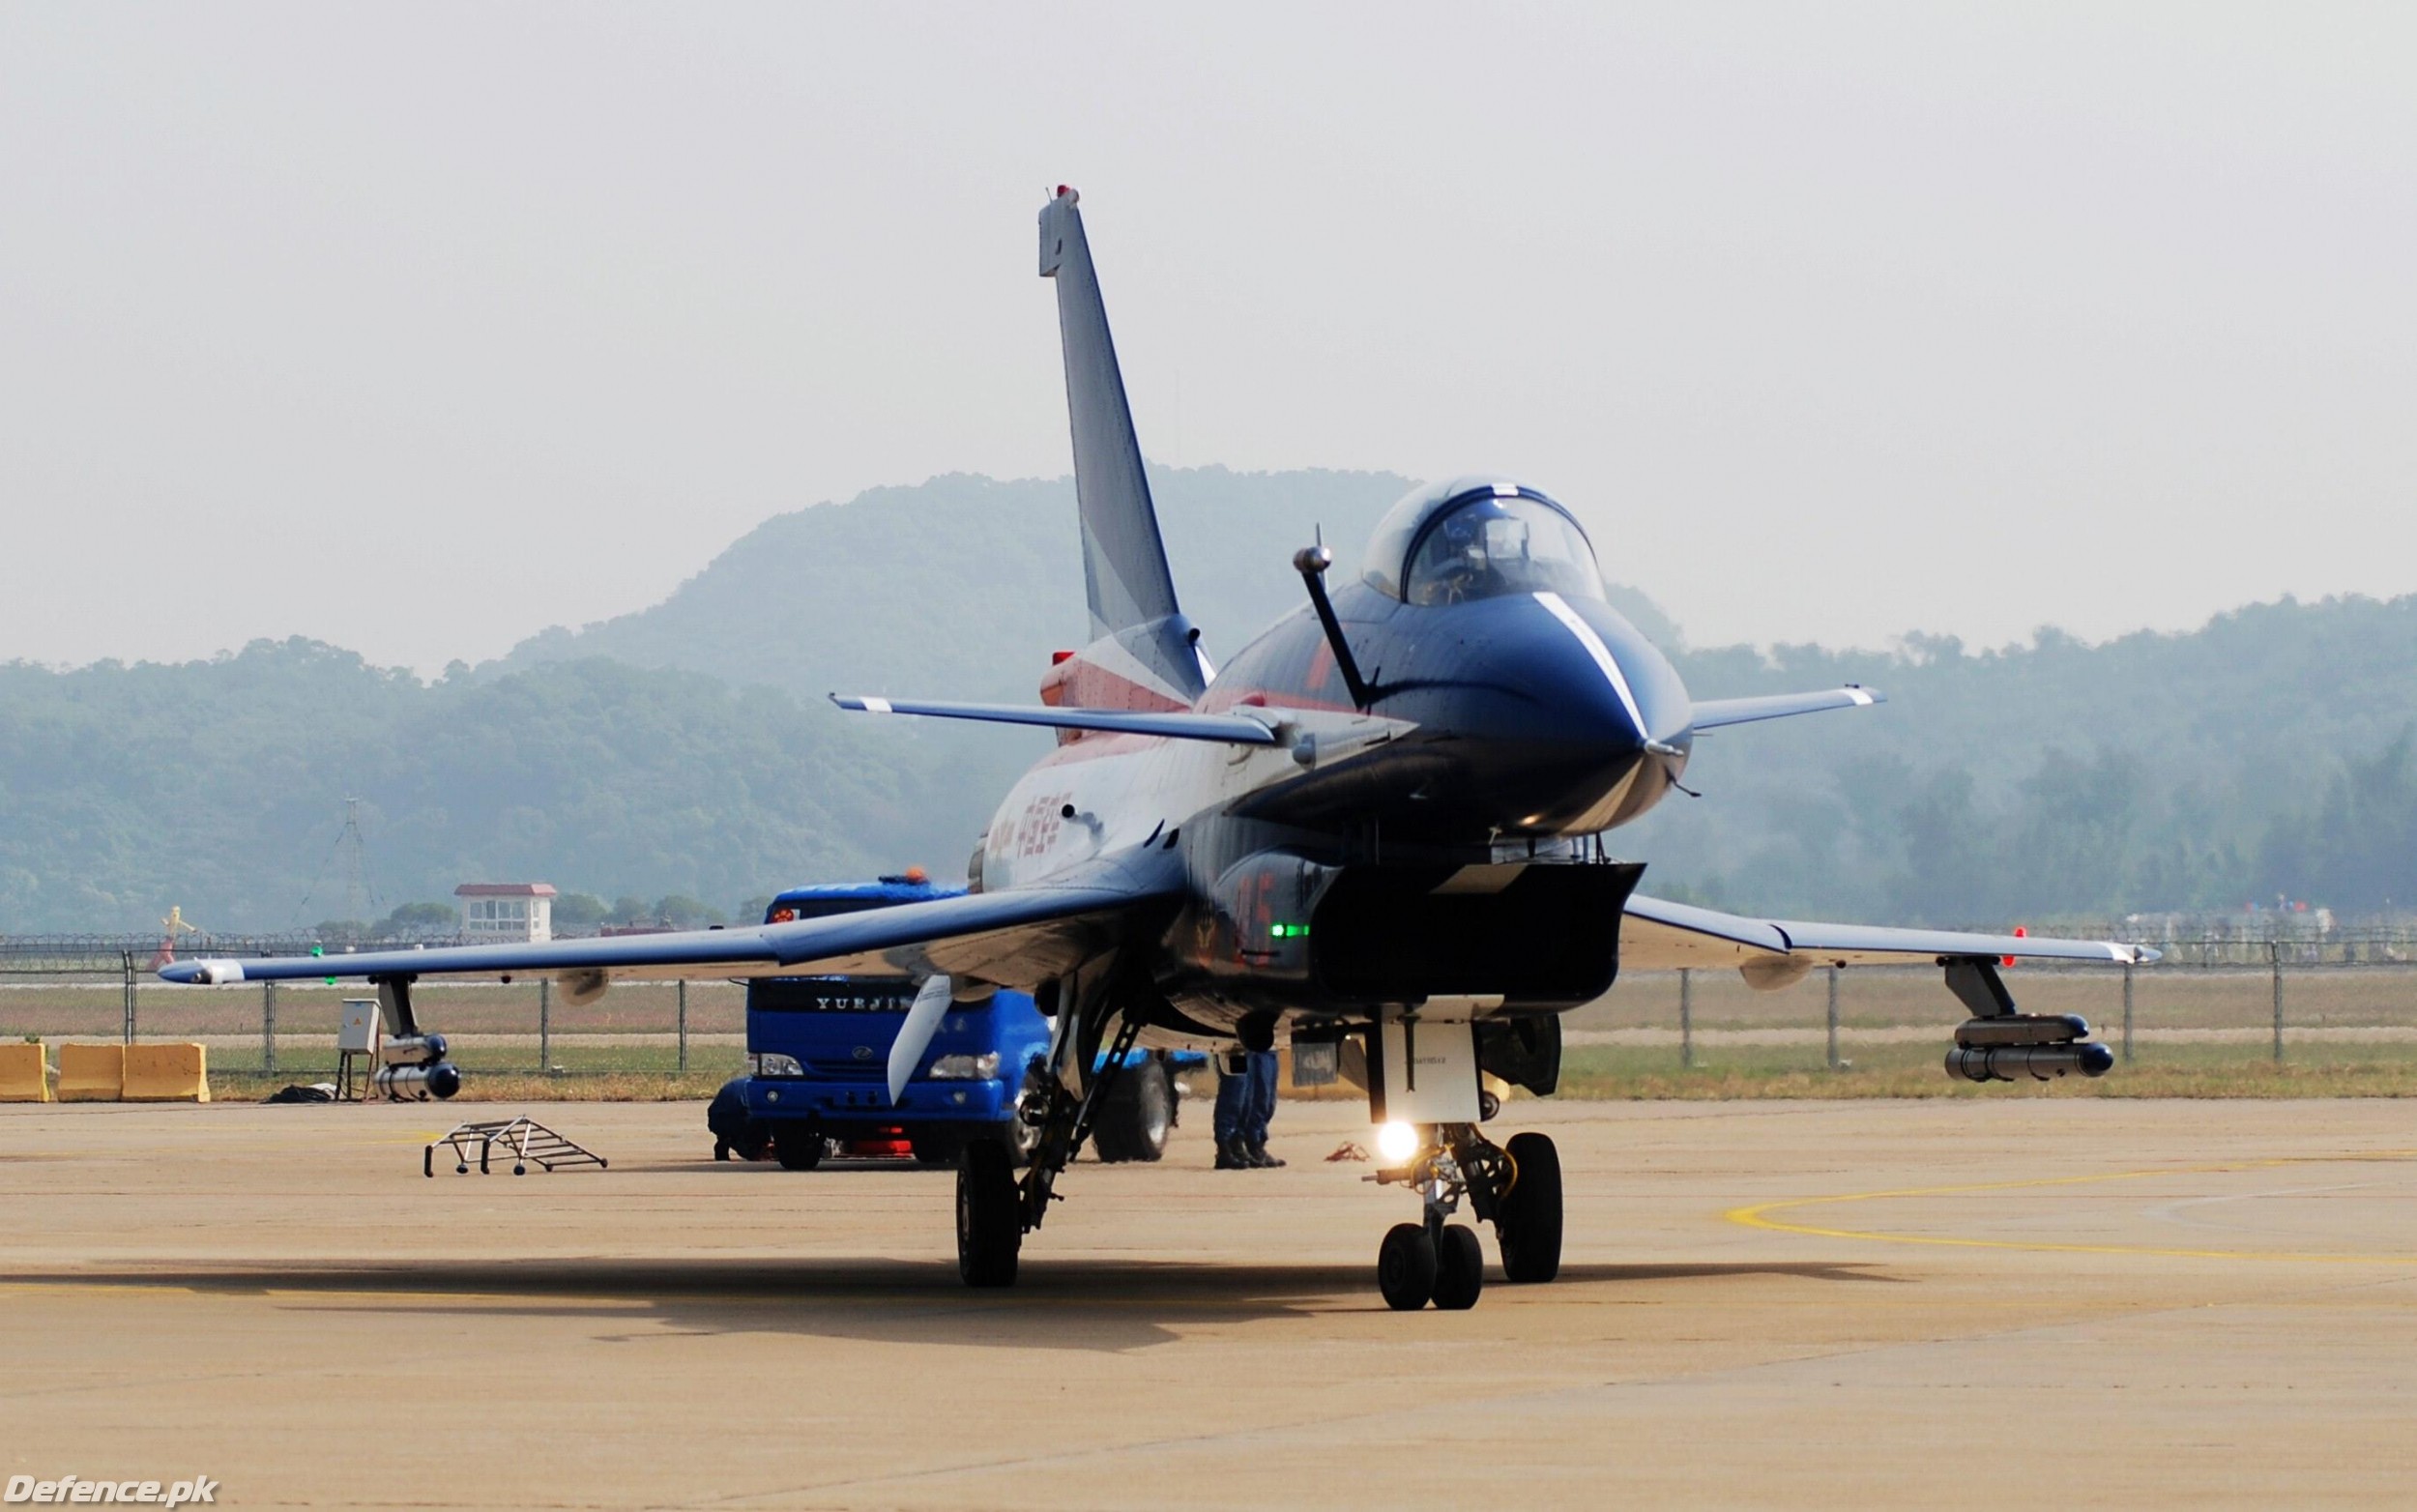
<point x="990" y="1217"/>
<point x="936" y="1149"/>
<point x="1108" y="1136"/>
<point x="1527" y="1218"/>
<point x="1152" y="1102"/>
<point x="1108" y="1133"/>
<point x="798" y="1147"/>
<point x="1139" y="1112"/>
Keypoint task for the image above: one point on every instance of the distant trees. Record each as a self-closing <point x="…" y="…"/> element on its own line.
<point x="2357" y="847"/>
<point x="576" y="911"/>
<point x="115" y="804"/>
<point x="682" y="912"/>
<point x="2272" y="752"/>
<point x="421" y="919"/>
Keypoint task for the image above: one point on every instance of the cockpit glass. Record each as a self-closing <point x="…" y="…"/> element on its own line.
<point x="1488" y="546"/>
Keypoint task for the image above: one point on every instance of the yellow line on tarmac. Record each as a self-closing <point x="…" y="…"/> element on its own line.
<point x="1759" y="1216"/>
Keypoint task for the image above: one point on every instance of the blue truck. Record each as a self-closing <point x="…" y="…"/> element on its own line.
<point x="818" y="1056"/>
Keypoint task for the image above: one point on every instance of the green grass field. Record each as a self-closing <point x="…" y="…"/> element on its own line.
<point x="624" y="1047"/>
<point x="1905" y="1070"/>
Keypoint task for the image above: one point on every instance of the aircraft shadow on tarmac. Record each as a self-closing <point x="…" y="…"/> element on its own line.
<point x="1068" y="1304"/>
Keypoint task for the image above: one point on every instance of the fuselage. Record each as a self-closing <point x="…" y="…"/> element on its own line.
<point x="1500" y="724"/>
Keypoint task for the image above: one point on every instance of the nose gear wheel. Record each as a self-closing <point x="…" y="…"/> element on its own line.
<point x="1516" y="1187"/>
<point x="1406" y="1268"/>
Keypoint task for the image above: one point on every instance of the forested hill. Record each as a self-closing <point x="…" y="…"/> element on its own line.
<point x="2267" y="752"/>
<point x="687" y="748"/>
<point x="220" y="786"/>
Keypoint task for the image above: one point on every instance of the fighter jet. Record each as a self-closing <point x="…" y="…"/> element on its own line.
<point x="1386" y="825"/>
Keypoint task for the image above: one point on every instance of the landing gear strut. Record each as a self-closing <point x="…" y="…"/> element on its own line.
<point x="1517" y="1188"/>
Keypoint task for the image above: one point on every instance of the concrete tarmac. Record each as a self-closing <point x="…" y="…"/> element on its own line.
<point x="1965" y="1302"/>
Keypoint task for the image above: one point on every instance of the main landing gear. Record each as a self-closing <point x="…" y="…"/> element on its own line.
<point x="1517" y="1187"/>
<point x="995" y="1208"/>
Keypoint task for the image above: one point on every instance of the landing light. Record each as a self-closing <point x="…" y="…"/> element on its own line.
<point x="1397" y="1142"/>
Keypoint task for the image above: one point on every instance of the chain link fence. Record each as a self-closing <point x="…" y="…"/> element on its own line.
<point x="2212" y="1003"/>
<point x="2216" y="998"/>
<point x="106" y="988"/>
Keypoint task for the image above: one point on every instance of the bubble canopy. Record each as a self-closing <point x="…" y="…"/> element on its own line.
<point x="1467" y="540"/>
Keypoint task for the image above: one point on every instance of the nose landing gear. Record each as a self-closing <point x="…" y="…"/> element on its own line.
<point x="1406" y="1266"/>
<point x="1517" y="1188"/>
<point x="1527" y="1211"/>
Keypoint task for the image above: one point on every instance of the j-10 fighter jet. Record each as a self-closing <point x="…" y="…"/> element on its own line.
<point x="1383" y="824"/>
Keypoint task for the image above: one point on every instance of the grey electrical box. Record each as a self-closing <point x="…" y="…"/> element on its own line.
<point x="357" y="1032"/>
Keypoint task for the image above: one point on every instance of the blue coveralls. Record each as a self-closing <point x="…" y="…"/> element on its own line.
<point x="1246" y="1102"/>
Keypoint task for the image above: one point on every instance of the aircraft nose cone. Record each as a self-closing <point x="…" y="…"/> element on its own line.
<point x="1605" y="699"/>
<point x="1529" y="715"/>
<point x="1590" y="692"/>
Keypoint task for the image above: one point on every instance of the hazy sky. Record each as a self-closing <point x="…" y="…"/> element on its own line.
<point x="419" y="328"/>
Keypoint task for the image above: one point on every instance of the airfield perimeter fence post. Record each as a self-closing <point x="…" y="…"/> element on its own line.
<point x="2274" y="955"/>
<point x="545" y="1026"/>
<point x="1833" y="1018"/>
<point x="2127" y="1014"/>
<point x="1686" y="1018"/>
<point x="268" y="1027"/>
<point x="684" y="1025"/>
<point x="127" y="957"/>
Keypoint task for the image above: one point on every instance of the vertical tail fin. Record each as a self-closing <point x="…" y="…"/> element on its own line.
<point x="1124" y="563"/>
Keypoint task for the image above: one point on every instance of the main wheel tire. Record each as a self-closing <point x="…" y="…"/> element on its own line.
<point x="1459" y="1270"/>
<point x="990" y="1218"/>
<point x="798" y="1147"/>
<point x="1528" y="1217"/>
<point x="1406" y="1268"/>
<point x="1139" y="1112"/>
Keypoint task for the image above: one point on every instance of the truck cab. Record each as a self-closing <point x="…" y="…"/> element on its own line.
<point x="818" y="1051"/>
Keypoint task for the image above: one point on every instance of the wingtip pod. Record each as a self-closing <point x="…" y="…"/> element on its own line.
<point x="202" y="973"/>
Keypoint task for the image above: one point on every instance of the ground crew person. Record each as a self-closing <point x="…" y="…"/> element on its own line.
<point x="1245" y="1102"/>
